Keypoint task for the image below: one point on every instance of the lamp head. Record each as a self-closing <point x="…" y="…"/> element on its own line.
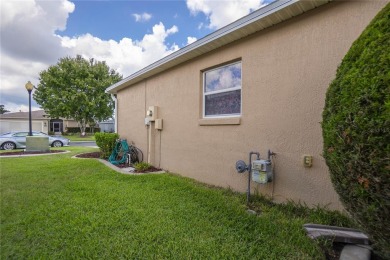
<point x="29" y="86"/>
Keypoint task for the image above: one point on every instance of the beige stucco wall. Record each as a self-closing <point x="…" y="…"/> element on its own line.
<point x="286" y="70"/>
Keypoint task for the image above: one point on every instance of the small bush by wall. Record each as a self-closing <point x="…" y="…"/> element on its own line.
<point x="142" y="166"/>
<point x="356" y="131"/>
<point x="106" y="143"/>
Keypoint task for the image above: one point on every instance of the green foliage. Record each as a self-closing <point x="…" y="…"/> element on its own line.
<point x="75" y="88"/>
<point x="292" y="209"/>
<point x="3" y="110"/>
<point x="356" y="131"/>
<point x="300" y="211"/>
<point x="106" y="143"/>
<point x="142" y="166"/>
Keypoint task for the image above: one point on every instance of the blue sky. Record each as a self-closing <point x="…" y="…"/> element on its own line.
<point x="127" y="34"/>
<point x="116" y="19"/>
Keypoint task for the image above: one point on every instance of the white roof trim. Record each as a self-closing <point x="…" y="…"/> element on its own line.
<point x="265" y="17"/>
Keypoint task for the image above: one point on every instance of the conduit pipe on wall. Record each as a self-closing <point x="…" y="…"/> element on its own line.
<point x="150" y="122"/>
<point x="113" y="96"/>
<point x="249" y="175"/>
<point x="151" y="144"/>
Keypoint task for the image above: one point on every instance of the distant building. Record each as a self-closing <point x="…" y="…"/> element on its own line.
<point x="107" y="126"/>
<point x="19" y="121"/>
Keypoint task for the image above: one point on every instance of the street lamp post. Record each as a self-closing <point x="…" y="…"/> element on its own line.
<point x="29" y="88"/>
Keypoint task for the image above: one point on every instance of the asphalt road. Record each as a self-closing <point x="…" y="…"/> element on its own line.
<point x="83" y="143"/>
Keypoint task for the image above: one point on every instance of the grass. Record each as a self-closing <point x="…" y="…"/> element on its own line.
<point x="11" y="151"/>
<point x="77" y="138"/>
<point x="21" y="150"/>
<point x="58" y="207"/>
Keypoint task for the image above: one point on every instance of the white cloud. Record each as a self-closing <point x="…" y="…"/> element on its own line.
<point x="223" y="12"/>
<point x="28" y="28"/>
<point x="29" y="44"/>
<point x="144" y="17"/>
<point x="127" y="55"/>
<point x="191" y="40"/>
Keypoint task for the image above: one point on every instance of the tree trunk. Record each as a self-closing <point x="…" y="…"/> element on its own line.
<point x="83" y="126"/>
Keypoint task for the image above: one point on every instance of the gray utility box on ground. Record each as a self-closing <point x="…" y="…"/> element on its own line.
<point x="37" y="144"/>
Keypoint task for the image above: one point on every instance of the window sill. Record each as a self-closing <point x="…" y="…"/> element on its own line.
<point x="220" y="121"/>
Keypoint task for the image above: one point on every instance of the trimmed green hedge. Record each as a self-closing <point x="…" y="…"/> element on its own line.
<point x="356" y="131"/>
<point x="106" y="143"/>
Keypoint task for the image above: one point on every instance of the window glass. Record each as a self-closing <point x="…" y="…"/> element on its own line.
<point x="223" y="78"/>
<point x="222" y="91"/>
<point x="225" y="103"/>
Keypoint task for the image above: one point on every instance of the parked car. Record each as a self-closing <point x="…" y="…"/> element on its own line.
<point x="15" y="140"/>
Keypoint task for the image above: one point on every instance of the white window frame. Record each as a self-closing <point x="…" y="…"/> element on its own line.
<point x="204" y="94"/>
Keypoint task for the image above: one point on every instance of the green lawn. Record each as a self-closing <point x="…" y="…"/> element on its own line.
<point x="56" y="207"/>
<point x="77" y="138"/>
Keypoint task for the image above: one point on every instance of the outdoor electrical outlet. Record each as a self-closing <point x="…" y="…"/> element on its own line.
<point x="307" y="161"/>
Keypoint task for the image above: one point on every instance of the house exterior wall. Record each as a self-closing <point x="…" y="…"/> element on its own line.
<point x="18" y="121"/>
<point x="71" y="123"/>
<point x="41" y="125"/>
<point x="8" y="125"/>
<point x="107" y="126"/>
<point x="286" y="70"/>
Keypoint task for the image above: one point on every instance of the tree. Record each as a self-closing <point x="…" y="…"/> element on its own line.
<point x="3" y="110"/>
<point x="75" y="88"/>
<point x="356" y="131"/>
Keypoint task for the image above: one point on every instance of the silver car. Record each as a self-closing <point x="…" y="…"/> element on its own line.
<point x="14" y="140"/>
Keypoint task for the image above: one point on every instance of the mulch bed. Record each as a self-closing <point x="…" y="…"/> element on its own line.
<point x="27" y="153"/>
<point x="123" y="165"/>
<point x="89" y="155"/>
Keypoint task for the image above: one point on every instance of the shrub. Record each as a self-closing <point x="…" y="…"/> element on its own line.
<point x="356" y="131"/>
<point x="142" y="166"/>
<point x="106" y="143"/>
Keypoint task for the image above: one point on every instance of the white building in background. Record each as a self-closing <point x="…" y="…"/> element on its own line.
<point x="19" y="121"/>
